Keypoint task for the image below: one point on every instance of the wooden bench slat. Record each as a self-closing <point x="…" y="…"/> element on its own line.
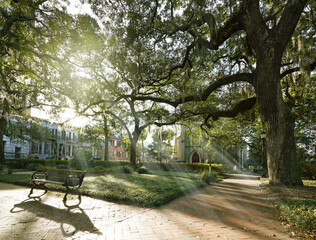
<point x="47" y="181"/>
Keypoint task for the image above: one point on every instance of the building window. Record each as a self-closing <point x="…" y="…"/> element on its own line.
<point x="63" y="135"/>
<point x="69" y="136"/>
<point x="110" y="142"/>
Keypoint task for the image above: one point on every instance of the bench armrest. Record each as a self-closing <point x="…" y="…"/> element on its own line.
<point x="36" y="174"/>
<point x="73" y="181"/>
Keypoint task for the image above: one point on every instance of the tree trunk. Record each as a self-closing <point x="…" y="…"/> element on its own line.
<point x="133" y="152"/>
<point x="2" y="127"/>
<point x="106" y="139"/>
<point x="279" y="123"/>
<point x="134" y="140"/>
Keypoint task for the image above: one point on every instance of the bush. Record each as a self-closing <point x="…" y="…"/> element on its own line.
<point x="62" y="166"/>
<point x="5" y="169"/>
<point x="32" y="166"/>
<point x="143" y="170"/>
<point x="107" y="164"/>
<point x="221" y="168"/>
<point x="44" y="168"/>
<point x="308" y="170"/>
<point x="127" y="169"/>
<point x="207" y="177"/>
<point x="21" y="163"/>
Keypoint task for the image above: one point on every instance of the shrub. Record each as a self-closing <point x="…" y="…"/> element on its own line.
<point x="221" y="168"/>
<point x="207" y="177"/>
<point x="32" y="166"/>
<point x="308" y="170"/>
<point x="127" y="169"/>
<point x="98" y="169"/>
<point x="5" y="169"/>
<point x="21" y="163"/>
<point x="44" y="168"/>
<point x="143" y="170"/>
<point x="62" y="166"/>
<point x="107" y="164"/>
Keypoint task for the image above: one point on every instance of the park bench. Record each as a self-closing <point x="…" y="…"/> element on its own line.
<point x="71" y="179"/>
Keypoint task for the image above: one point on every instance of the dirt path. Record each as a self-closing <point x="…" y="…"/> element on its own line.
<point x="232" y="209"/>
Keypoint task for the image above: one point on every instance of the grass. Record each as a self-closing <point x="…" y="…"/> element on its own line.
<point x="147" y="190"/>
<point x="309" y="182"/>
<point x="297" y="206"/>
<point x="302" y="213"/>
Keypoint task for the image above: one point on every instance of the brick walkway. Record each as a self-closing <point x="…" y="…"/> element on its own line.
<point x="232" y="209"/>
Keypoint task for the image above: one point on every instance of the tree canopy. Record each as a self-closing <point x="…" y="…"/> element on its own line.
<point x="160" y="62"/>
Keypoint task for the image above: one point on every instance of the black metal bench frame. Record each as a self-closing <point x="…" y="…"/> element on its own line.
<point x="71" y="179"/>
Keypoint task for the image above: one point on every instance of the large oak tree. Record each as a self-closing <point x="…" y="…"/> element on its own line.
<point x="240" y="44"/>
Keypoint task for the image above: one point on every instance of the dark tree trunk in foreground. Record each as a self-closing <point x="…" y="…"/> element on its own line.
<point x="279" y="125"/>
<point x="2" y="127"/>
<point x="269" y="45"/>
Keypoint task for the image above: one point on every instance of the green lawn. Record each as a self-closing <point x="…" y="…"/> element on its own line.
<point x="148" y="190"/>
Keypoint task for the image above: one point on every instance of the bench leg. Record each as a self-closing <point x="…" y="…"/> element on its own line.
<point x="69" y="190"/>
<point x="38" y="186"/>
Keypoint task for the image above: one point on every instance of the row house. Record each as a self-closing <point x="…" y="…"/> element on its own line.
<point x="62" y="143"/>
<point x="117" y="149"/>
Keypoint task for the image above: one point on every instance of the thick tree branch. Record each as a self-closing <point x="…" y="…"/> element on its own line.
<point x="243" y="77"/>
<point x="233" y="25"/>
<point x="240" y="107"/>
<point x="312" y="66"/>
<point x="288" y="21"/>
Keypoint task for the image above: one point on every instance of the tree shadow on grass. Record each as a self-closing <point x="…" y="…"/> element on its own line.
<point x="72" y="219"/>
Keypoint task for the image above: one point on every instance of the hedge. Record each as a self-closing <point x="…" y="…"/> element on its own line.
<point x="22" y="163"/>
<point x="32" y="164"/>
<point x="188" y="167"/>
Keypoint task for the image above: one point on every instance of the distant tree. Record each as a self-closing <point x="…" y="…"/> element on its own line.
<point x="161" y="149"/>
<point x="35" y="37"/>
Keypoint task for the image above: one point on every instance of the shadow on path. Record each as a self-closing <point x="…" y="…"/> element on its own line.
<point x="236" y="205"/>
<point x="71" y="219"/>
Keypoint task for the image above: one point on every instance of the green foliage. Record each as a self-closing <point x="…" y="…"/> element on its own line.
<point x="127" y="169"/>
<point x="107" y="164"/>
<point x="32" y="166"/>
<point x="221" y="168"/>
<point x="207" y="177"/>
<point x="189" y="167"/>
<point x="21" y="163"/>
<point x="44" y="168"/>
<point x="301" y="212"/>
<point x="143" y="170"/>
<point x="160" y="149"/>
<point x="5" y="169"/>
<point x="308" y="170"/>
